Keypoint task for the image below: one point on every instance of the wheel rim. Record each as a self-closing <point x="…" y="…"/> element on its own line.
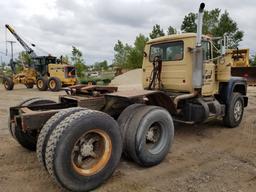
<point x="238" y="110"/>
<point x="52" y="84"/>
<point x="40" y="83"/>
<point x="155" y="138"/>
<point x="91" y="152"/>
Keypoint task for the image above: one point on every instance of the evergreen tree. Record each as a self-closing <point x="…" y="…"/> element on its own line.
<point x="156" y="32"/>
<point x="215" y="24"/>
<point x="171" y="30"/>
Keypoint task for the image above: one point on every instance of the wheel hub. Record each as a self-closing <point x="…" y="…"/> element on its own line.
<point x="91" y="152"/>
<point x="87" y="149"/>
<point x="152" y="134"/>
<point x="238" y="110"/>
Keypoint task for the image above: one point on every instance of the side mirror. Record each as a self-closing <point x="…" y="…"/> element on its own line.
<point x="224" y="44"/>
<point x="223" y="47"/>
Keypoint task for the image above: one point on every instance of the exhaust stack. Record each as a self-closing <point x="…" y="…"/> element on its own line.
<point x="198" y="66"/>
<point x="200" y="25"/>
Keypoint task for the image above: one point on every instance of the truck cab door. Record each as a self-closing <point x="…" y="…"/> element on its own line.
<point x="209" y="79"/>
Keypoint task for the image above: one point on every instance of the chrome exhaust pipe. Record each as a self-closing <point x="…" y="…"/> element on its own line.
<point x="198" y="66"/>
<point x="200" y="25"/>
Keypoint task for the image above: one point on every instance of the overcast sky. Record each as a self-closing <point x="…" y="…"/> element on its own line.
<point x="94" y="26"/>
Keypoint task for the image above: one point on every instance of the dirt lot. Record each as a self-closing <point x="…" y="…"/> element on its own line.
<point x="204" y="158"/>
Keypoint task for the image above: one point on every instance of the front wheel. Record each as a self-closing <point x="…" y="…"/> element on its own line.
<point x="83" y="150"/>
<point x="234" y="111"/>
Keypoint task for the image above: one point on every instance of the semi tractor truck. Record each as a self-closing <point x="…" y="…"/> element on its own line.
<point x="79" y="140"/>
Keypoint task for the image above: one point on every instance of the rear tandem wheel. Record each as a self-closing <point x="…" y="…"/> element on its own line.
<point x="47" y="129"/>
<point x="83" y="150"/>
<point x="148" y="136"/>
<point x="27" y="139"/>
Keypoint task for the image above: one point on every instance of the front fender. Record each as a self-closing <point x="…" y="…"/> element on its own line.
<point x="235" y="84"/>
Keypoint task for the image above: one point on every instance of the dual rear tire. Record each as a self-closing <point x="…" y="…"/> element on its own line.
<point x="147" y="132"/>
<point x="80" y="148"/>
<point x="53" y="83"/>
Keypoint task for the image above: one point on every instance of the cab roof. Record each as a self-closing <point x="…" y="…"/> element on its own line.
<point x="175" y="37"/>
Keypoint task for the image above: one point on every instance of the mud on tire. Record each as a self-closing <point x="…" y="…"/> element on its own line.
<point x="90" y="136"/>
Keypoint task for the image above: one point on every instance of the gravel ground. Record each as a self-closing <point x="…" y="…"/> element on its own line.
<point x="204" y="158"/>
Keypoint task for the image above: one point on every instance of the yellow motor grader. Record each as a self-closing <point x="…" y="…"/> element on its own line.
<point x="46" y="72"/>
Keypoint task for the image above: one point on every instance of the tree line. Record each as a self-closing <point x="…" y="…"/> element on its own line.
<point x="215" y="23"/>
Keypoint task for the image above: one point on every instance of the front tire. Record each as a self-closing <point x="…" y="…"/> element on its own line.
<point x="234" y="111"/>
<point x="84" y="150"/>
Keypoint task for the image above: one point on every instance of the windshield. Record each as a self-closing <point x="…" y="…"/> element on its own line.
<point x="172" y="51"/>
<point x="70" y="71"/>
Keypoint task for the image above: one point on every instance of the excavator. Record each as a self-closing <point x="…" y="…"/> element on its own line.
<point x="46" y="72"/>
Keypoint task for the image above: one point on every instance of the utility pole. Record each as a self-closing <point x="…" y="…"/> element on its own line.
<point x="11" y="62"/>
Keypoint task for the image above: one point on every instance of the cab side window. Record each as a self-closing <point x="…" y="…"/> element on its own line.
<point x="207" y="50"/>
<point x="171" y="51"/>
